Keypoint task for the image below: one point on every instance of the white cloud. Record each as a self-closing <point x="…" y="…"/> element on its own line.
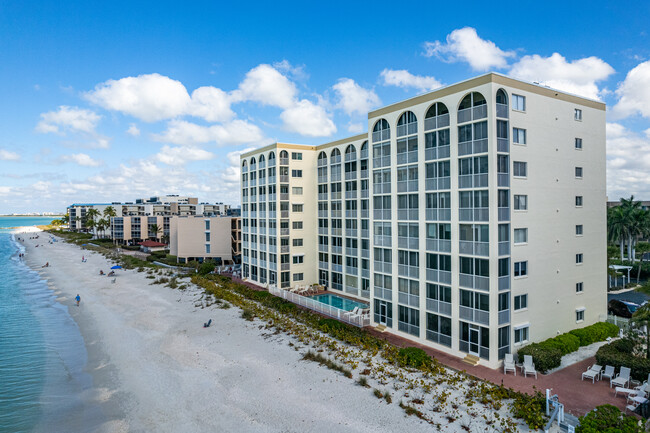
<point x="133" y="130"/>
<point x="179" y="155"/>
<point x="578" y="77"/>
<point x="266" y="85"/>
<point x="634" y="93"/>
<point x="307" y="118"/>
<point x="466" y="45"/>
<point x="211" y="104"/>
<point x="355" y="99"/>
<point x="403" y="78"/>
<point x="628" y="162"/>
<point x="355" y="128"/>
<point x="186" y="133"/>
<point x="5" y="190"/>
<point x="82" y="159"/>
<point x="7" y="155"/>
<point x="150" y="97"/>
<point x="68" y="119"/>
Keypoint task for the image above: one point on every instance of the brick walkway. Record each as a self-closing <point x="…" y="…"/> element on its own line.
<point x="578" y="396"/>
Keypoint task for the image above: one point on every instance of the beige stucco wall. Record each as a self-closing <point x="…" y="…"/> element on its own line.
<point x="188" y="237"/>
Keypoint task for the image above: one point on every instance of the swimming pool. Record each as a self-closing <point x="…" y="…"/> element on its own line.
<point x="339" y="302"/>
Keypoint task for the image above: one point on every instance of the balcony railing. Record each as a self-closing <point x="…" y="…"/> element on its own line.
<point x="365" y="273"/>
<point x="351" y="270"/>
<point x="379" y="162"/>
<point x="284" y="161"/>
<point x="408" y="129"/>
<point x="381" y="188"/>
<point x="472" y="147"/>
<point x="408" y="271"/>
<point x="337" y="249"/>
<point x="432" y="153"/>
<point x="284" y="178"/>
<point x="407" y="186"/>
<point x="336" y="176"/>
<point x="436" y="122"/>
<point x="504" y="248"/>
<point x="351" y="194"/>
<point x="381" y="214"/>
<point x="440" y="307"/>
<point x="502" y="110"/>
<point x="352" y="290"/>
<point x="504" y="214"/>
<point x="351" y="233"/>
<point x="408" y="299"/>
<point x="474" y="214"/>
<point x="407" y="157"/>
<point x="438" y="214"/>
<point x="337" y="267"/>
<point x="437" y="183"/>
<point x="365" y="254"/>
<point x="322" y="248"/>
<point x="439" y="276"/>
<point x="351" y="252"/>
<point x="439" y="245"/>
<point x="384" y="267"/>
<point x="472" y="113"/>
<point x="382" y="293"/>
<point x="383" y="241"/>
<point x="284" y="232"/>
<point x="284" y="248"/>
<point x="284" y="196"/>
<point x="504" y="282"/>
<point x="322" y="162"/>
<point x="336" y="213"/>
<point x="244" y="169"/>
<point x="322" y="179"/>
<point x="364" y="174"/>
<point x="349" y="175"/>
<point x="381" y="135"/>
<point x="408" y="214"/>
<point x="504" y="317"/>
<point x="365" y="233"/>
<point x="473" y="180"/>
<point x="439" y="338"/>
<point x="474" y="282"/>
<point x="474" y="248"/>
<point x="408" y="328"/>
<point x="503" y="179"/>
<point x="410" y="243"/>
<point x="323" y="265"/>
<point x="337" y="231"/>
<point x="352" y="156"/>
<point x="474" y="315"/>
<point x="364" y="154"/>
<point x="503" y="145"/>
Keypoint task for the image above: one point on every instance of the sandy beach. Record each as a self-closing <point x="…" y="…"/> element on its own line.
<point x="155" y="368"/>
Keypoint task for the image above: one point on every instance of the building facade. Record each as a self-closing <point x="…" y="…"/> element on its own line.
<point x="205" y="237"/>
<point x="470" y="218"/>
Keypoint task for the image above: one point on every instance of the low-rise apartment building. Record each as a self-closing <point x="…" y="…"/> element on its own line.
<point x="205" y="237"/>
<point x="469" y="218"/>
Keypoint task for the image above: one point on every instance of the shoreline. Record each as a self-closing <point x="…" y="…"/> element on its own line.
<point x="155" y="368"/>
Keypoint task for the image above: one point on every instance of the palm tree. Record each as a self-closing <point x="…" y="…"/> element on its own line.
<point x="102" y="224"/>
<point x="635" y="216"/>
<point x="617" y="226"/>
<point x="109" y="212"/>
<point x="89" y="220"/>
<point x="155" y="228"/>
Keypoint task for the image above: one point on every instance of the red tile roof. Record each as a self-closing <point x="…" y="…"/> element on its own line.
<point x="150" y="244"/>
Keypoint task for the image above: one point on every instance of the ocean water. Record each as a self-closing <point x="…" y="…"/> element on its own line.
<point x="11" y="221"/>
<point x="42" y="352"/>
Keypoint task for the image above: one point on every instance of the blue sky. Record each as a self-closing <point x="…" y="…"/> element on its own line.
<point x="117" y="100"/>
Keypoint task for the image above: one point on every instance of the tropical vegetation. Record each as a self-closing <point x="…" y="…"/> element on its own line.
<point x="626" y="223"/>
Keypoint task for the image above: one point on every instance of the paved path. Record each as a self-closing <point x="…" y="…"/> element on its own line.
<point x="578" y="396"/>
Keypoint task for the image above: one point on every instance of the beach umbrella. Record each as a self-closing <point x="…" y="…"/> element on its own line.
<point x="117" y="267"/>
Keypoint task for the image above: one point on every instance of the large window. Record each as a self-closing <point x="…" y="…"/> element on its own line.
<point x="521" y="202"/>
<point x="521" y="269"/>
<point x="518" y="102"/>
<point x="519" y="169"/>
<point x="409" y="320"/>
<point x="518" y="136"/>
<point x="439" y="329"/>
<point x="521" y="236"/>
<point x="521" y="302"/>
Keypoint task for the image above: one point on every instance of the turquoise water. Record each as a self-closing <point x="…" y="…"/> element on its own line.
<point x="42" y="353"/>
<point x="339" y="302"/>
<point x="10" y="221"/>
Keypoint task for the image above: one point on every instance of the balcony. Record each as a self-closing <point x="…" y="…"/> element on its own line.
<point x="262" y="181"/>
<point x="381" y="135"/>
<point x="322" y="179"/>
<point x="364" y="153"/>
<point x="410" y="243"/>
<point x="336" y="213"/>
<point x="504" y="317"/>
<point x="272" y="180"/>
<point x="349" y="175"/>
<point x="284" y="161"/>
<point x="407" y="157"/>
<point x="474" y="315"/>
<point x="336" y="176"/>
<point x="408" y="299"/>
<point x="337" y="268"/>
<point x="337" y="249"/>
<point x="504" y="248"/>
<point x="244" y="169"/>
<point x="381" y="214"/>
<point x="504" y="282"/>
<point x="365" y="213"/>
<point x="437" y="276"/>
<point x="322" y="196"/>
<point x="273" y="249"/>
<point x="352" y="290"/>
<point x="439" y="307"/>
<point x="322" y="230"/>
<point x="503" y="145"/>
<point x="365" y="254"/>
<point x="365" y="233"/>
<point x="473" y="181"/>
<point x="253" y="182"/>
<point x="323" y="265"/>
<point x="253" y="214"/>
<point x="474" y="282"/>
<point x="284" y="249"/>
<point x="437" y="183"/>
<point x="381" y="188"/>
<point x="432" y="153"/>
<point x="439" y="338"/>
<point x="262" y="263"/>
<point x="351" y="213"/>
<point x="322" y="248"/>
<point x="504" y="214"/>
<point x="407" y="186"/>
<point x="474" y="248"/>
<point x="273" y="231"/>
<point x="439" y="245"/>
<point x="284" y="178"/>
<point x="285" y="267"/>
<point x="254" y="261"/>
<point x="379" y="162"/>
<point x="351" y="194"/>
<point x="335" y="159"/>
<point x="472" y="147"/>
<point x="502" y="110"/>
<point x="383" y="241"/>
<point x="273" y="197"/>
<point x="351" y="252"/>
<point x="351" y="233"/>
<point x="284" y="214"/>
<point x="382" y="293"/>
<point x="244" y="184"/>
<point x="474" y="214"/>
<point x="271" y="162"/>
<point x="284" y="196"/>
<point x="364" y="174"/>
<point x="253" y="245"/>
<point x="337" y="231"/>
<point x="503" y="179"/>
<point x="438" y="214"/>
<point x="351" y="270"/>
<point x="408" y="129"/>
<point x="284" y="232"/>
<point x="408" y="271"/>
<point x="262" y="197"/>
<point x="436" y="122"/>
<point x="408" y="214"/>
<point x="472" y="113"/>
<point x="365" y="273"/>
<point x="364" y="193"/>
<point x="273" y="266"/>
<point x="384" y="267"/>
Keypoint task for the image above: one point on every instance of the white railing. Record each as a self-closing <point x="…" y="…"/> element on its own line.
<point x="328" y="310"/>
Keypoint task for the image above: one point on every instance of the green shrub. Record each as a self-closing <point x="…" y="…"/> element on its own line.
<point x="567" y="343"/>
<point x="596" y="332"/>
<point x="413" y="357"/>
<point x="331" y="324"/>
<point x="206" y="267"/>
<point x="620" y="354"/>
<point x="609" y="419"/>
<point x="247" y="314"/>
<point x="530" y="408"/>
<point x="545" y="358"/>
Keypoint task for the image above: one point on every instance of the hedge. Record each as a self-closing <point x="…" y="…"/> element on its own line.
<point x="620" y="354"/>
<point x="413" y="357"/>
<point x="547" y="354"/>
<point x="609" y="419"/>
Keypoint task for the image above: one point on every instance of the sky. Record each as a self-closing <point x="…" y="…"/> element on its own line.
<point x="113" y="101"/>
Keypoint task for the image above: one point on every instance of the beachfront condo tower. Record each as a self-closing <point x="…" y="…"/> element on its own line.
<point x="471" y="219"/>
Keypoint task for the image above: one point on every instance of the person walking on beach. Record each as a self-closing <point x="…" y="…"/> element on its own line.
<point x="78" y="299"/>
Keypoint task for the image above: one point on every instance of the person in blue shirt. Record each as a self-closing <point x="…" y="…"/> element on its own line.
<point x="78" y="299"/>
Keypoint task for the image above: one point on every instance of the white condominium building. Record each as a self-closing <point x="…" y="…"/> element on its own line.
<point x="470" y="218"/>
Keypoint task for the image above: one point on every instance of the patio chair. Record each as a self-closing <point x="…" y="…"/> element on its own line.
<point x="636" y="401"/>
<point x="529" y="366"/>
<point x="608" y="373"/>
<point x="509" y="364"/>
<point x="622" y="378"/>
<point x="355" y="311"/>
<point x="593" y="373"/>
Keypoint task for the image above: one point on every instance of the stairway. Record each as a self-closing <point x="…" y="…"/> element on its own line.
<point x="471" y="360"/>
<point x="380" y="328"/>
<point x="569" y="420"/>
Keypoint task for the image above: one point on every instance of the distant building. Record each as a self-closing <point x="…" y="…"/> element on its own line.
<point x="645" y="205"/>
<point x="205" y="237"/>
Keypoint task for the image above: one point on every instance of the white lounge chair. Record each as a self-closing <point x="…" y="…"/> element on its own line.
<point x="593" y="373"/>
<point x="354" y="312"/>
<point x="529" y="366"/>
<point x="608" y="373"/>
<point x="622" y="378"/>
<point x="509" y="364"/>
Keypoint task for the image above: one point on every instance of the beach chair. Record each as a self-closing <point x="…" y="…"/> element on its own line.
<point x="638" y="391"/>
<point x="207" y="324"/>
<point x="529" y="366"/>
<point x="355" y="311"/>
<point x="592" y="373"/>
<point x="608" y="373"/>
<point x="622" y="379"/>
<point x="509" y="364"/>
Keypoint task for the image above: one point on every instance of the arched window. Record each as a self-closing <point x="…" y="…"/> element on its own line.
<point x="437" y="116"/>
<point x="407" y="124"/>
<point x="472" y="107"/>
<point x="261" y="160"/>
<point x="502" y="97"/>
<point x="284" y="158"/>
<point x="271" y="156"/>
<point x="350" y="153"/>
<point x="335" y="157"/>
<point x="381" y="131"/>
<point x="253" y="161"/>
<point x="244" y="163"/>
<point x="322" y="159"/>
<point x="502" y="104"/>
<point x="364" y="150"/>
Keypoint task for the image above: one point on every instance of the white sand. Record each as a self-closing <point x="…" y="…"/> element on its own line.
<point x="157" y="369"/>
